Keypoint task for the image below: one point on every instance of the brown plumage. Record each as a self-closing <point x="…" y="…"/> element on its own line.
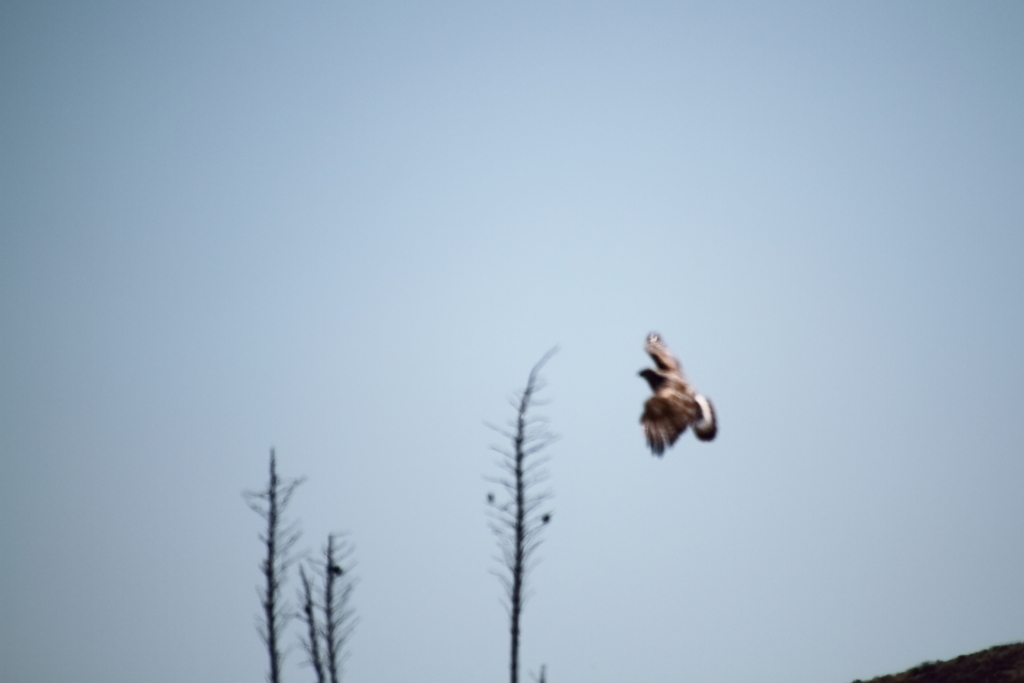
<point x="675" y="405"/>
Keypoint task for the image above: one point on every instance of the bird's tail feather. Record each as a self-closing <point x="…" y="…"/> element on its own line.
<point x="706" y="427"/>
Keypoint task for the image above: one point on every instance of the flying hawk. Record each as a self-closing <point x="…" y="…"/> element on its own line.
<point x="675" y="405"/>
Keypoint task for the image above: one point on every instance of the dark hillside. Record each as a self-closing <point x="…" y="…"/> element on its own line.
<point x="1000" y="664"/>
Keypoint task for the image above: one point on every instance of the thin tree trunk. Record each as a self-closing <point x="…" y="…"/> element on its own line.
<point x="330" y="617"/>
<point x="520" y="533"/>
<point x="269" y="571"/>
<point x="309" y="616"/>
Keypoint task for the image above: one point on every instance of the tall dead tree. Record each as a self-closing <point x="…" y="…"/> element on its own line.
<point x="517" y="520"/>
<point x="279" y="538"/>
<point x="327" y="613"/>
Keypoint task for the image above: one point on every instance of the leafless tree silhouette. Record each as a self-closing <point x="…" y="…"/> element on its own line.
<point x="279" y="538"/>
<point x="517" y="521"/>
<point x="311" y="642"/>
<point x="326" y="611"/>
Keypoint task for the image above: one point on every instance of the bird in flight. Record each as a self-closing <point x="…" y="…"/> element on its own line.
<point x="676" y="404"/>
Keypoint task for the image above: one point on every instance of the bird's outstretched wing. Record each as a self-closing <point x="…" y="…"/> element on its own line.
<point x="666" y="416"/>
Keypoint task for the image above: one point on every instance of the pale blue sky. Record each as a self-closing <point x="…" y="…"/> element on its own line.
<point x="349" y="231"/>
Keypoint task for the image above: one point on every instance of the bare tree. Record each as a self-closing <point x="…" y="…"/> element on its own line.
<point x="311" y="642"/>
<point x="279" y="538"/>
<point x="517" y="520"/>
<point x="326" y="612"/>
